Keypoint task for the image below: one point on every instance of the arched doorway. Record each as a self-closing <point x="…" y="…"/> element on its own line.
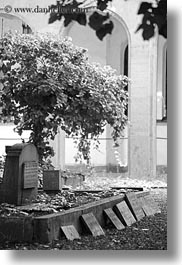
<point x="113" y="50"/>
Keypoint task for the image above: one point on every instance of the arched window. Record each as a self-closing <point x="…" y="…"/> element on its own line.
<point x="165" y="87"/>
<point x="125" y="68"/>
<point x="126" y="61"/>
<point x="162" y="80"/>
<point x="26" y="29"/>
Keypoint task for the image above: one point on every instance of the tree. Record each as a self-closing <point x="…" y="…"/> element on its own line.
<point x="49" y="82"/>
<point x="154" y="14"/>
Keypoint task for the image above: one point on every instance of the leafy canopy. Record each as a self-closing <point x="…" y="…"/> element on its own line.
<point x="48" y="82"/>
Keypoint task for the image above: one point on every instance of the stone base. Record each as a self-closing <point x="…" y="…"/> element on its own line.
<point x="46" y="228"/>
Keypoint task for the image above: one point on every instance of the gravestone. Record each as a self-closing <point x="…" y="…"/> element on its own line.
<point x="135" y="205"/>
<point x="52" y="180"/>
<point x="20" y="178"/>
<point x="124" y="213"/>
<point x="70" y="232"/>
<point x="114" y="219"/>
<point x="149" y="206"/>
<point x="92" y="224"/>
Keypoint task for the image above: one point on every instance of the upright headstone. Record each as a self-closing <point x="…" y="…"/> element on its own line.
<point x="52" y="180"/>
<point x="20" y="179"/>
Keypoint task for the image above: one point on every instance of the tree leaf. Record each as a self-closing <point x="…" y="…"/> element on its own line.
<point x="96" y="20"/>
<point x="148" y="31"/>
<point x="104" y="30"/>
<point x="82" y="19"/>
<point x="102" y="4"/>
<point x="144" y="7"/>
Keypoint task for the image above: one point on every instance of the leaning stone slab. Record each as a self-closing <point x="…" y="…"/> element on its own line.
<point x="70" y="232"/>
<point x="149" y="206"/>
<point x="135" y="205"/>
<point x="124" y="213"/>
<point x="110" y="214"/>
<point x="92" y="224"/>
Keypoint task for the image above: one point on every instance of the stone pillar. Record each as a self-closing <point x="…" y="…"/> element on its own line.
<point x="142" y="110"/>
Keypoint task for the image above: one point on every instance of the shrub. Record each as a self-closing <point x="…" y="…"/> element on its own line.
<point x="49" y="83"/>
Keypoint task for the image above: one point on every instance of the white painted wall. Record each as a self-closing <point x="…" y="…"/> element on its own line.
<point x="9" y="137"/>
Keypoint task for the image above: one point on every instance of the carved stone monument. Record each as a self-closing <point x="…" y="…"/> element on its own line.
<point x="20" y="178"/>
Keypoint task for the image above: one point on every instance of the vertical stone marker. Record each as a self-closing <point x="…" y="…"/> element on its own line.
<point x="20" y="178"/>
<point x="52" y="180"/>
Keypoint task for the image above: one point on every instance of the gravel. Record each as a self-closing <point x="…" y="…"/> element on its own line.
<point x="150" y="233"/>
